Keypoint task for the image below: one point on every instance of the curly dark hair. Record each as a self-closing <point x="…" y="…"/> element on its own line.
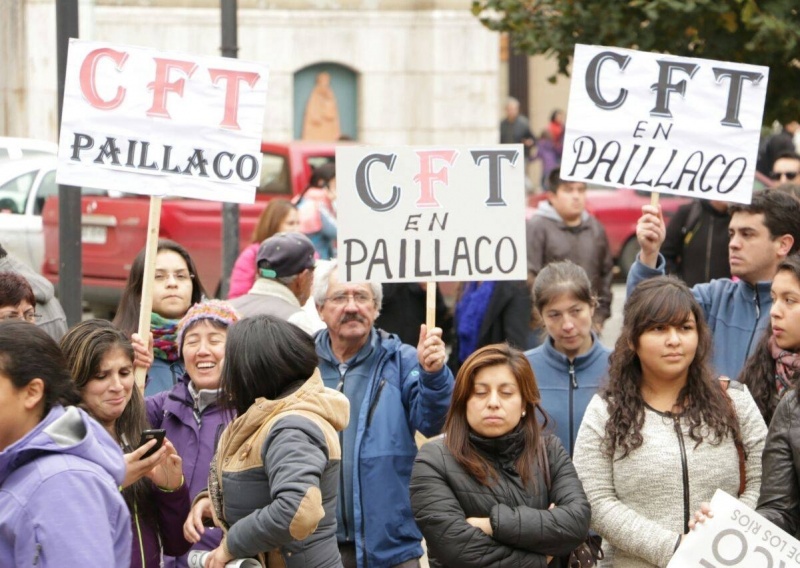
<point x="758" y="372"/>
<point x="664" y="300"/>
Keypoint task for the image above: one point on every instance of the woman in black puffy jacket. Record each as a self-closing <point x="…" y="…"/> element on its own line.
<point x="479" y="493"/>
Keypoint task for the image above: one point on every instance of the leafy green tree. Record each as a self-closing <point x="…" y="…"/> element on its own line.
<point x="761" y="32"/>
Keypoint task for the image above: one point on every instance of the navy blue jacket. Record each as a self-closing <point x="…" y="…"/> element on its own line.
<point x="401" y="399"/>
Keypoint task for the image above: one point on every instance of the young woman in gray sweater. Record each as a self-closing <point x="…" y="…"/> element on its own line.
<point x="662" y="436"/>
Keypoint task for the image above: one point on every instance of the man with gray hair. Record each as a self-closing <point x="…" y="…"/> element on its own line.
<point x="285" y="271"/>
<point x="394" y="390"/>
<point x="515" y="129"/>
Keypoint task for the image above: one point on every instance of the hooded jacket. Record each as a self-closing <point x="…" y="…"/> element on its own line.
<point x="53" y="320"/>
<point x="194" y="441"/>
<point x="278" y="469"/>
<point x="737" y="314"/>
<point x="60" y="498"/>
<point x="567" y="386"/>
<point x="400" y="399"/>
<point x="550" y="240"/>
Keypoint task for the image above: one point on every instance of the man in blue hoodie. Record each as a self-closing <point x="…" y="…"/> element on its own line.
<point x="60" y="472"/>
<point x="761" y="234"/>
<point x="394" y="390"/>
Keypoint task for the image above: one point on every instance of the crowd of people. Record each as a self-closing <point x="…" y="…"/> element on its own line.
<point x="293" y="426"/>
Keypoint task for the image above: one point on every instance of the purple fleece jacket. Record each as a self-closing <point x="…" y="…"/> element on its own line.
<point x="59" y="496"/>
<point x="195" y="442"/>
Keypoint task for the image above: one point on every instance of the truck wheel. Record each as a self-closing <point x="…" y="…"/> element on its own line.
<point x="628" y="256"/>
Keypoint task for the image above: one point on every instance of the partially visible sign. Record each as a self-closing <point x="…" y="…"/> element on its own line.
<point x="655" y="122"/>
<point x="143" y="121"/>
<point x="440" y="214"/>
<point x="735" y="536"/>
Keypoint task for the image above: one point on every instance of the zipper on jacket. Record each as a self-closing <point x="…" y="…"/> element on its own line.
<point x="573" y="385"/>
<point x="139" y="533"/>
<point x="755" y="324"/>
<point x="342" y="488"/>
<point x="685" y="469"/>
<point x="374" y="402"/>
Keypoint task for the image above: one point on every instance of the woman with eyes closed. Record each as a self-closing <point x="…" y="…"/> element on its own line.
<point x="571" y="361"/>
<point x="191" y="412"/>
<point x="100" y="360"/>
<point x="664" y="434"/>
<point x="177" y="287"/>
<point x="478" y="493"/>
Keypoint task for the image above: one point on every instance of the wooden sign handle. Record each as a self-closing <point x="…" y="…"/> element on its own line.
<point x="654" y="198"/>
<point x="430" y="306"/>
<point x="148" y="280"/>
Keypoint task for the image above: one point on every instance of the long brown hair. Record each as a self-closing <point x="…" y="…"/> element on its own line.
<point x="664" y="300"/>
<point x="456" y="427"/>
<point x="84" y="347"/>
<point x="271" y="219"/>
<point x="758" y="372"/>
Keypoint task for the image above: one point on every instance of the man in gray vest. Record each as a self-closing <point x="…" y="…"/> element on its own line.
<point x="285" y="271"/>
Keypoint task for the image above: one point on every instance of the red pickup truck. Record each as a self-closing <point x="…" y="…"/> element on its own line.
<point x="113" y="229"/>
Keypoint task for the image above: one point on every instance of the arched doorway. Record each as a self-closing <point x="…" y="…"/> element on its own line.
<point x="321" y="91"/>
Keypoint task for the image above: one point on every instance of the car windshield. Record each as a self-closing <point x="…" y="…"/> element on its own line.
<point x="14" y="192"/>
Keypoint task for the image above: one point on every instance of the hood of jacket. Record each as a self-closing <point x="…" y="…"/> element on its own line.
<point x="65" y="431"/>
<point x="42" y="288"/>
<point x="546" y="210"/>
<point x="313" y="397"/>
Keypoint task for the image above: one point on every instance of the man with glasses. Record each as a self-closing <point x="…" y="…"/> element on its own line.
<point x="786" y="168"/>
<point x="285" y="271"/>
<point x="394" y="390"/>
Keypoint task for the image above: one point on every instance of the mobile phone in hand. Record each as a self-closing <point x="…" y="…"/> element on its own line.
<point x="147" y="435"/>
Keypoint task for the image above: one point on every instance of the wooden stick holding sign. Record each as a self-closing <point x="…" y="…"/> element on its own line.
<point x="430" y="306"/>
<point x="654" y="199"/>
<point x="148" y="281"/>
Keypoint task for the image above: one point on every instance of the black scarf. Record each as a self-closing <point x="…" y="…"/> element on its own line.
<point x="505" y="450"/>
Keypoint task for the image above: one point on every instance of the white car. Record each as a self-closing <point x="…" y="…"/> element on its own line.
<point x="25" y="184"/>
<point x="17" y="148"/>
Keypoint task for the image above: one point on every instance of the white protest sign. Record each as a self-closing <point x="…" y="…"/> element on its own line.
<point x="436" y="214"/>
<point x="735" y="536"/>
<point x="161" y="123"/>
<point x="655" y="122"/>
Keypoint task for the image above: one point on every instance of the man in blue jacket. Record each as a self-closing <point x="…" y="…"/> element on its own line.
<point x="394" y="391"/>
<point x="761" y="234"/>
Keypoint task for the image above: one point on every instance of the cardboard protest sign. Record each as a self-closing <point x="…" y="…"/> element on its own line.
<point x="735" y="536"/>
<point x="434" y="214"/>
<point x="654" y="122"/>
<point x="143" y="121"/>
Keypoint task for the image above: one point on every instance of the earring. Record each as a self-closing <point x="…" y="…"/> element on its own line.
<point x="523" y="414"/>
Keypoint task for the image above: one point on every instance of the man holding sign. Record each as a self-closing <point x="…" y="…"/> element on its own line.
<point x="393" y="390"/>
<point x="762" y="234"/>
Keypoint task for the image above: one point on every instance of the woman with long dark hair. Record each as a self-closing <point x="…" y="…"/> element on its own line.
<point x="100" y="360"/>
<point x="177" y="287"/>
<point x="773" y="368"/>
<point x="273" y="482"/>
<point x="481" y="495"/>
<point x="59" y="470"/>
<point x="663" y="435"/>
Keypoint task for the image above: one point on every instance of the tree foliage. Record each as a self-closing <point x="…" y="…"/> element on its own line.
<point x="745" y="31"/>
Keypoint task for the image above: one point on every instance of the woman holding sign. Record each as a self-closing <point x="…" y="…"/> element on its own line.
<point x="663" y="435"/>
<point x="177" y="287"/>
<point x="100" y="360"/>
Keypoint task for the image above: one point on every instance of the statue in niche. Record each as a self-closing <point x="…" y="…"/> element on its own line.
<point x="321" y="120"/>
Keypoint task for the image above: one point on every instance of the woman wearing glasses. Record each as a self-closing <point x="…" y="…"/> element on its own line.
<point x="177" y="287"/>
<point x="17" y="301"/>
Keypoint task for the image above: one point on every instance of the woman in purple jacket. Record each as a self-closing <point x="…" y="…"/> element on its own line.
<point x="189" y="412"/>
<point x="59" y="471"/>
<point x="100" y="360"/>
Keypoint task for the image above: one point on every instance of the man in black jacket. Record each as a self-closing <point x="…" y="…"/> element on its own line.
<point x="696" y="244"/>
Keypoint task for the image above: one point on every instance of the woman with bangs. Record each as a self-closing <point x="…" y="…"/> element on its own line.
<point x="497" y="490"/>
<point x="665" y="433"/>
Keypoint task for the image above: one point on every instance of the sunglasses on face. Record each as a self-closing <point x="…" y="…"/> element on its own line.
<point x="778" y="175"/>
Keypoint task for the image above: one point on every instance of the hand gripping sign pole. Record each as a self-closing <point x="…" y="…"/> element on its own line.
<point x="146" y="306"/>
